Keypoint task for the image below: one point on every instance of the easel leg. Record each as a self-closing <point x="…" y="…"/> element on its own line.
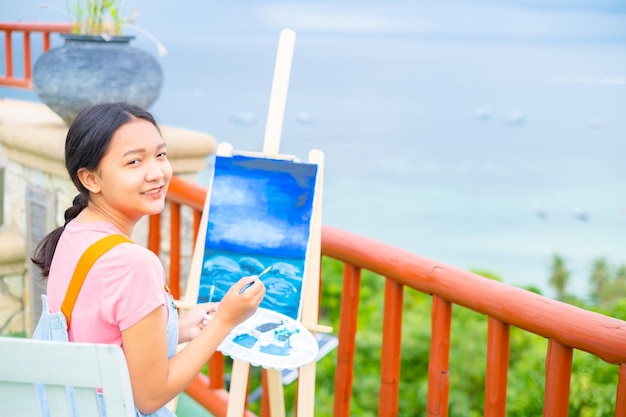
<point x="276" y="394"/>
<point x="306" y="391"/>
<point x="238" y="388"/>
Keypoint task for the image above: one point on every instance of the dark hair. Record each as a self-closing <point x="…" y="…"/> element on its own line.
<point x="88" y="139"/>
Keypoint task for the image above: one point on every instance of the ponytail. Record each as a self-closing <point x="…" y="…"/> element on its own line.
<point x="44" y="252"/>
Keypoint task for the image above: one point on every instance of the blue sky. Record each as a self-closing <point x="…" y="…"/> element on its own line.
<point x="560" y="18"/>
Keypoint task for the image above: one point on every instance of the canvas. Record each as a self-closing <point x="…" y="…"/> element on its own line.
<point x="259" y="216"/>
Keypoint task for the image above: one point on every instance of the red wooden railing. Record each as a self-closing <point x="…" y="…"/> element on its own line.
<point x="566" y="327"/>
<point x="9" y="78"/>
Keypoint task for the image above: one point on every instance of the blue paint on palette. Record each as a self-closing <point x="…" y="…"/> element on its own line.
<point x="245" y="340"/>
<point x="259" y="215"/>
<point x="277" y="350"/>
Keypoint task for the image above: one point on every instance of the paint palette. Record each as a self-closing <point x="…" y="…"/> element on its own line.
<point x="271" y="340"/>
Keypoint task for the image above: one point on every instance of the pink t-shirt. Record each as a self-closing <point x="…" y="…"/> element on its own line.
<point x="122" y="287"/>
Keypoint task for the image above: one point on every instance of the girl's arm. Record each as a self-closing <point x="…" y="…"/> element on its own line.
<point x="156" y="379"/>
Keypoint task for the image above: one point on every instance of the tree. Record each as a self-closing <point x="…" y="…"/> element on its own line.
<point x="599" y="279"/>
<point x="559" y="278"/>
<point x="614" y="290"/>
<point x="620" y="275"/>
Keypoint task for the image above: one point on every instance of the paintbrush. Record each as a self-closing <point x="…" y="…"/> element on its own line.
<point x="249" y="284"/>
<point x="207" y="315"/>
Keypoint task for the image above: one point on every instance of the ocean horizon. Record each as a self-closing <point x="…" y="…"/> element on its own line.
<point x="487" y="147"/>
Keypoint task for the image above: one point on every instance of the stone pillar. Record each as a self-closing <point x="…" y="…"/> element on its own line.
<point x="32" y="140"/>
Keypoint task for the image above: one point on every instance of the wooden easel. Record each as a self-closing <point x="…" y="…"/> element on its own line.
<point x="310" y="291"/>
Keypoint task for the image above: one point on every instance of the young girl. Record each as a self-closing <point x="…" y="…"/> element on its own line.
<point x="117" y="159"/>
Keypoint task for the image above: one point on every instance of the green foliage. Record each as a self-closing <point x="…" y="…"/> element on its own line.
<point x="468" y="356"/>
<point x="486" y="274"/>
<point x="533" y="288"/>
<point x="592" y="387"/>
<point x="526" y="374"/>
<point x="618" y="310"/>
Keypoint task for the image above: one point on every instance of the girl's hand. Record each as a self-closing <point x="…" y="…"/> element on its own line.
<point x="193" y="321"/>
<point x="238" y="305"/>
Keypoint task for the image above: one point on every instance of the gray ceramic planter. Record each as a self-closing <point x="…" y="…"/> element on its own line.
<point x="93" y="69"/>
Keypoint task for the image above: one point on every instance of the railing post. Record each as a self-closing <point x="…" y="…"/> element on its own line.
<point x="558" y="376"/>
<point x="46" y="41"/>
<point x="8" y="53"/>
<point x="620" y="400"/>
<point x="498" y="352"/>
<point x="391" y="349"/>
<point x="28" y="70"/>
<point x="175" y="246"/>
<point x="439" y="363"/>
<point x="347" y="340"/>
<point x="154" y="233"/>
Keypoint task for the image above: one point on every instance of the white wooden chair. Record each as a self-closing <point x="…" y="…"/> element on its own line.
<point x="96" y="372"/>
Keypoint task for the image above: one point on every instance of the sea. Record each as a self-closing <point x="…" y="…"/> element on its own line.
<point x="485" y="135"/>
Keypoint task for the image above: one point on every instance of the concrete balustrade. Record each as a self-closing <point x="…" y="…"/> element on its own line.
<point x="32" y="140"/>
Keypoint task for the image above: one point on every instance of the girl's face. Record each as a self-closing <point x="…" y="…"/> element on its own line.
<point x="134" y="174"/>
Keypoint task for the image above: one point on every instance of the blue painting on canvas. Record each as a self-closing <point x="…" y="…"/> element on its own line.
<point x="259" y="215"/>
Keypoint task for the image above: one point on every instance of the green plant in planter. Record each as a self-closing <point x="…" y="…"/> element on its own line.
<point x="103" y="18"/>
<point x="98" y="17"/>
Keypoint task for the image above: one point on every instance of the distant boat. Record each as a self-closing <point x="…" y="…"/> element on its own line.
<point x="515" y="118"/>
<point x="304" y="118"/>
<point x="580" y="214"/>
<point x="244" y="118"/>
<point x="594" y="123"/>
<point x="482" y="113"/>
<point x="540" y="212"/>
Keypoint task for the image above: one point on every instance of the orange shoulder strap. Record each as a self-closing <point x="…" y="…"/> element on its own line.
<point x="85" y="263"/>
